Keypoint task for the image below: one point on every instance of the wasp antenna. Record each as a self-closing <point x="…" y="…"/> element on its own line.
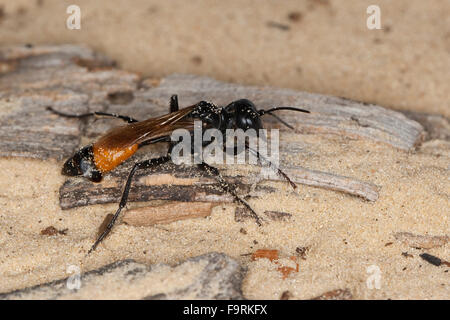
<point x="261" y="112"/>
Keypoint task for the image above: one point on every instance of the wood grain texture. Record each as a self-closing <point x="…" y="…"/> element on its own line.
<point x="70" y="78"/>
<point x="329" y="114"/>
<point x="166" y="213"/>
<point x="76" y="80"/>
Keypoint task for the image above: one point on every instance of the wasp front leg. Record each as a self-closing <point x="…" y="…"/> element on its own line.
<point x="225" y="186"/>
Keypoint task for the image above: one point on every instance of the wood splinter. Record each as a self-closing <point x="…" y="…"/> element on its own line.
<point x="166" y="213"/>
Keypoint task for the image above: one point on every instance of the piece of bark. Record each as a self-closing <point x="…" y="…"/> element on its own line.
<point x="82" y="80"/>
<point x="270" y="254"/>
<point x="166" y="213"/>
<point x="187" y="183"/>
<point x="76" y="80"/>
<point x="54" y="76"/>
<point x="435" y="125"/>
<point x="51" y="231"/>
<point x="315" y="178"/>
<point x="273" y="256"/>
<point x="219" y="277"/>
<point x="151" y="184"/>
<point x="421" y="241"/>
<point x="329" y="115"/>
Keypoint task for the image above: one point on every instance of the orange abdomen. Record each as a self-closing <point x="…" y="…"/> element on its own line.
<point x="106" y="159"/>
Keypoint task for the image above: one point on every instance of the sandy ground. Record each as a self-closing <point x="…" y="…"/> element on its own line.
<point x="327" y="50"/>
<point x="345" y="235"/>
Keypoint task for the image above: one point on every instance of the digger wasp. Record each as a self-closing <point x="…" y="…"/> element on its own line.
<point x="120" y="143"/>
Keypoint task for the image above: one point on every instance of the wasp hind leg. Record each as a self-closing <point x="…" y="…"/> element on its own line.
<point x="124" y="199"/>
<point x="225" y="186"/>
<point x="92" y="114"/>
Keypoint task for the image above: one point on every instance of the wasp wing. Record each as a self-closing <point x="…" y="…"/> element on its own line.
<point x="139" y="132"/>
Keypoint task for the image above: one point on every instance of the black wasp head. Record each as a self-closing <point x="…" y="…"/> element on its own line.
<point x="243" y="115"/>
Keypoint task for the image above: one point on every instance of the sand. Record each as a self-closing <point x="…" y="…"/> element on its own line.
<point x="344" y="234"/>
<point x="328" y="50"/>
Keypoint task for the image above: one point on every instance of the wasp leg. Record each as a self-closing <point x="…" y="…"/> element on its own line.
<point x="228" y="188"/>
<point x="174" y="103"/>
<point x="236" y="151"/>
<point x="90" y="114"/>
<point x="273" y="166"/>
<point x="123" y="201"/>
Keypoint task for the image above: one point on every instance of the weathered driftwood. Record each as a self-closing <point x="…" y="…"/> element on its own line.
<point x="435" y="125"/>
<point x="332" y="115"/>
<point x="65" y="77"/>
<point x="218" y="277"/>
<point x="75" y="79"/>
<point x="187" y="183"/>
